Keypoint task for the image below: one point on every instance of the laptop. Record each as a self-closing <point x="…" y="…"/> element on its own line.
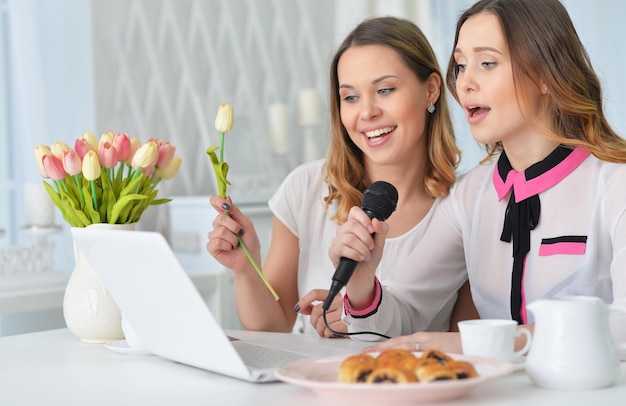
<point x="169" y="316"/>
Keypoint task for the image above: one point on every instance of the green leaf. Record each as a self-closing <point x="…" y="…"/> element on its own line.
<point x="93" y="214"/>
<point x="221" y="171"/>
<point x="121" y="204"/>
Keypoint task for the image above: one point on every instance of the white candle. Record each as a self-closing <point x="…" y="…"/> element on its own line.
<point x="278" y="119"/>
<point x="308" y="107"/>
<point x="38" y="204"/>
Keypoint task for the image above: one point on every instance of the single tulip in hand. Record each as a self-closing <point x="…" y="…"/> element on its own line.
<point x="223" y="124"/>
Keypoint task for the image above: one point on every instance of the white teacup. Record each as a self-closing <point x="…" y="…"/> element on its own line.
<point x="493" y="338"/>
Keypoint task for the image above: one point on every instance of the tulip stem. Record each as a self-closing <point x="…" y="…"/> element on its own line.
<point x="80" y="190"/>
<point x="93" y="195"/>
<point x="222" y="148"/>
<point x="256" y="267"/>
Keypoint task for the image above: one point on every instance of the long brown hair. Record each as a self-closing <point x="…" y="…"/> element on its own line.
<point x="546" y="52"/>
<point x="346" y="176"/>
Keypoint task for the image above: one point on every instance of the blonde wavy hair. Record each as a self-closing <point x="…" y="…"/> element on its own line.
<point x="344" y="165"/>
<point x="546" y="52"/>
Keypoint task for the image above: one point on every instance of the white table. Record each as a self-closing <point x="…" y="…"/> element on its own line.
<point x="54" y="367"/>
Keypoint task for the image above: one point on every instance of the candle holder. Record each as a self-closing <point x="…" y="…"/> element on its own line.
<point x="278" y="129"/>
<point x="31" y="258"/>
<point x="308" y="119"/>
<point x="309" y="146"/>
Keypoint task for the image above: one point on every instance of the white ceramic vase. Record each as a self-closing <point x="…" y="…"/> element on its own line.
<point x="90" y="312"/>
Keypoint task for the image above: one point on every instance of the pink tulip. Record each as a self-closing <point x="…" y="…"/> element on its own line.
<point x="122" y="144"/>
<point x="148" y="171"/>
<point x="166" y="153"/>
<point x="107" y="155"/>
<point x="135" y="143"/>
<point x="157" y="141"/>
<point x="72" y="163"/>
<point x="53" y="167"/>
<point x="82" y="146"/>
<point x="40" y="152"/>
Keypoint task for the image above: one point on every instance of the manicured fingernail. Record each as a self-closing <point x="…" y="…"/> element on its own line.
<point x="240" y="232"/>
<point x="296" y="309"/>
<point x="226" y="206"/>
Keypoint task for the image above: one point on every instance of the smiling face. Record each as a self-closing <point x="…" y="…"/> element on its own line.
<point x="383" y="104"/>
<point x="486" y="88"/>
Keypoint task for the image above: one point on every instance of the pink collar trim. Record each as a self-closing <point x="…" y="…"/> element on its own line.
<point x="526" y="188"/>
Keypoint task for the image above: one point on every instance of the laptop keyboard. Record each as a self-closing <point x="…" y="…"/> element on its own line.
<point x="260" y="357"/>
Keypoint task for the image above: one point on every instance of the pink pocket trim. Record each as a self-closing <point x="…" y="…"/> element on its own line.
<point x="562" y="248"/>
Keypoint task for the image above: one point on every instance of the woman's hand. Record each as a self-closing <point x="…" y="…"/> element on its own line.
<point x="420" y="341"/>
<point x="361" y="239"/>
<point x="353" y="239"/>
<point x="311" y="304"/>
<point x="223" y="244"/>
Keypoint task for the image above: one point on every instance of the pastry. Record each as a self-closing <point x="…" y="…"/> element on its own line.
<point x="434" y="372"/>
<point x="436" y="355"/>
<point x="391" y="375"/>
<point x="402" y="366"/>
<point x="462" y="369"/>
<point x="356" y="368"/>
<point x="397" y="358"/>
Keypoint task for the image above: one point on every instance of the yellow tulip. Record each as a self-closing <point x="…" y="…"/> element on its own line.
<point x="106" y="137"/>
<point x="171" y="170"/>
<point x="91" y="166"/>
<point x="91" y="140"/>
<point x="225" y="118"/>
<point x="146" y="155"/>
<point x="40" y="152"/>
<point x="59" y="148"/>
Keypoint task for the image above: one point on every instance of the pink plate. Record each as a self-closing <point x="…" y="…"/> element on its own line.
<point x="320" y="376"/>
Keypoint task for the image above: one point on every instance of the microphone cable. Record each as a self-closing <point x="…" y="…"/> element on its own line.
<point x="339" y="333"/>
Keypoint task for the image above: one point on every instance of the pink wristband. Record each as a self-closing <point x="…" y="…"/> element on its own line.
<point x="371" y="309"/>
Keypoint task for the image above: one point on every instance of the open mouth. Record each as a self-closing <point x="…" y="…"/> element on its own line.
<point x="475" y="110"/>
<point x="379" y="133"/>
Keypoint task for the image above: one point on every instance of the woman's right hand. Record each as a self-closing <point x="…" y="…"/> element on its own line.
<point x="361" y="239"/>
<point x="223" y="244"/>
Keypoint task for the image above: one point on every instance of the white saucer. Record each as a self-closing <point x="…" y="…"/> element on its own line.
<point x="122" y="347"/>
<point x="519" y="363"/>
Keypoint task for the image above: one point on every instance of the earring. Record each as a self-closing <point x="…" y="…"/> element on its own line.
<point x="431" y="108"/>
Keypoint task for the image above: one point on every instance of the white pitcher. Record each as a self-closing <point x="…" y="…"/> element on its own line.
<point x="572" y="345"/>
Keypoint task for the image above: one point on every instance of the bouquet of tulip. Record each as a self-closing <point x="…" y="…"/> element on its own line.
<point x="108" y="181"/>
<point x="223" y="124"/>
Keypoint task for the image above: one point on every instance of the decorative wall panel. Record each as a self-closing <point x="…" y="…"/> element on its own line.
<point x="162" y="67"/>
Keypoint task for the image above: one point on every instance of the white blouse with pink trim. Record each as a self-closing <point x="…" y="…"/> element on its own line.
<point x="578" y="246"/>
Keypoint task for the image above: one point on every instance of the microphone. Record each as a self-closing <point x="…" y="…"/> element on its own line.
<point x="379" y="201"/>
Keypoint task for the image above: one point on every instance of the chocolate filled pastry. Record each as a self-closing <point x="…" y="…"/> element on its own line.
<point x="437" y="356"/>
<point x="391" y="375"/>
<point x="356" y="368"/>
<point x="397" y="358"/>
<point x="462" y="369"/>
<point x="434" y="372"/>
